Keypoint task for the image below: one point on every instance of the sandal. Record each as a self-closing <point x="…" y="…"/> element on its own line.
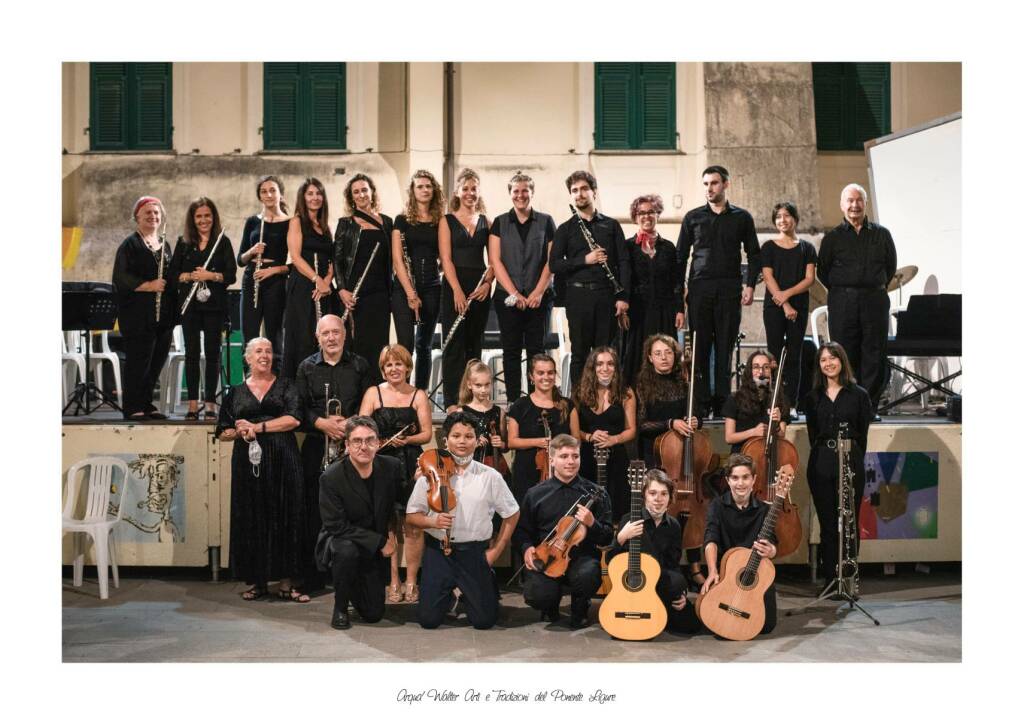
<point x="394" y="594"/>
<point x="253" y="594"/>
<point x="412" y="593"/>
<point x="209" y="414"/>
<point x="192" y="415"/>
<point x="292" y="595"/>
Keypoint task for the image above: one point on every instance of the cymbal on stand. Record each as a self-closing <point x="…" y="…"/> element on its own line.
<point x="902" y="276"/>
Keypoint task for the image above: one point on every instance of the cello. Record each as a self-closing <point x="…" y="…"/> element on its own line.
<point x="770" y="454"/>
<point x="438" y="466"/>
<point x="686" y="460"/>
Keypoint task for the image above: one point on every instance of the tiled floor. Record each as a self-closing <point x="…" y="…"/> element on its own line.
<point x="150" y="620"/>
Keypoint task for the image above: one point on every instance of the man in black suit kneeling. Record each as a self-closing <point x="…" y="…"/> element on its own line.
<point x="357" y="507"/>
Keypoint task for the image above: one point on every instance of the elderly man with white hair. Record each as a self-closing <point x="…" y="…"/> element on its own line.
<point x="856" y="262"/>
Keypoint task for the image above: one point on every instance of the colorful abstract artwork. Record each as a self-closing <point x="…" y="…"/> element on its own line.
<point x="155" y="509"/>
<point x="901" y="496"/>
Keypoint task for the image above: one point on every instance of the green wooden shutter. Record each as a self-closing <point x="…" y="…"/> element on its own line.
<point x="108" y="99"/>
<point x="152" y="105"/>
<point x="281" y="104"/>
<point x="613" y="93"/>
<point x="304" y="106"/>
<point x="656" y="106"/>
<point x="852" y="104"/>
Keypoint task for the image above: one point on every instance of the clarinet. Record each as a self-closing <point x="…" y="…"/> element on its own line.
<point x="461" y="317"/>
<point x="408" y="268"/>
<point x="594" y="246"/>
<point x="160" y="275"/>
<point x="259" y="265"/>
<point x="846" y="567"/>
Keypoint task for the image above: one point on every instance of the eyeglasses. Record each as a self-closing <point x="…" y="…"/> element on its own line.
<point x="761" y="367"/>
<point x="371" y="442"/>
<point x="646" y="212"/>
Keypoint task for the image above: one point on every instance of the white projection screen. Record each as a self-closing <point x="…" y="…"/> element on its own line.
<point x="916" y="193"/>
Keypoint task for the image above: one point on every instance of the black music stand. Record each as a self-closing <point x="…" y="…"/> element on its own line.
<point x="232" y="322"/>
<point x="87" y="306"/>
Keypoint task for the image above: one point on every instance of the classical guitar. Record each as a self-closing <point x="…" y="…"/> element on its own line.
<point x="601" y="460"/>
<point x="734" y="608"/>
<point x="632" y="610"/>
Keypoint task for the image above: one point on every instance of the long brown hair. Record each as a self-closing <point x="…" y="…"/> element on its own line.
<point x="845" y="373"/>
<point x="302" y="212"/>
<point x="585" y="394"/>
<point x="650" y="385"/>
<point x="556" y="395"/>
<point x="751" y="400"/>
<point x="191" y="230"/>
<point x="280" y="190"/>
<point x="456" y="202"/>
<point x="350" y="203"/>
<point x="436" y="207"/>
<point x="473" y="367"/>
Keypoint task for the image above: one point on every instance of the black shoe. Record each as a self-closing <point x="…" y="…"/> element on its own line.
<point x="340" y="620"/>
<point x="550" y="615"/>
<point x="192" y="415"/>
<point x="156" y="415"/>
<point x="579" y="621"/>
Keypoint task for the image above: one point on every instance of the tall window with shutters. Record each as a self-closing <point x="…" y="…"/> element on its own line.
<point x="303" y="106"/>
<point x="130" y="106"/>
<point x="635" y="106"/>
<point x="852" y="104"/>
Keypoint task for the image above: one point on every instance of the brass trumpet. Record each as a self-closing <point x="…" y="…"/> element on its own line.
<point x="332" y="448"/>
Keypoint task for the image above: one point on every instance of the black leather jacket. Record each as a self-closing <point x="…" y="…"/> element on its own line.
<point x="346" y="244"/>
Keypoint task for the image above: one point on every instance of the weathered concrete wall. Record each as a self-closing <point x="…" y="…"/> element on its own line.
<point x="760" y="126"/>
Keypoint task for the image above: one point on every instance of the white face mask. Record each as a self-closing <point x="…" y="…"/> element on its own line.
<point x="462" y="460"/>
<point x="762" y="382"/>
<point x="255" y="456"/>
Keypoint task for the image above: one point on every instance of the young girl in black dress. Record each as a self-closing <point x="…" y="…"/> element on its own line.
<point x="526" y="433"/>
<point x="476" y="402"/>
<point x="604" y="417"/>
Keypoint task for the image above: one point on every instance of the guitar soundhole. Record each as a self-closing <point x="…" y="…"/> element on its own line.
<point x="747" y="582"/>
<point x="634" y="582"/>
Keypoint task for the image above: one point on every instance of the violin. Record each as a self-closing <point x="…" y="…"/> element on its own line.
<point x="551" y="556"/>
<point x="771" y="454"/>
<point x="438" y="467"/>
<point x="543" y="460"/>
<point x="492" y="456"/>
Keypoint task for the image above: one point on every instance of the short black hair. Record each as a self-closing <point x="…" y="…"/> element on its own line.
<point x="454" y="419"/>
<point x="580" y="175"/>
<point x="720" y="170"/>
<point x="789" y="207"/>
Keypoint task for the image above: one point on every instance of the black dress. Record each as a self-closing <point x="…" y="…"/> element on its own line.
<point x="300" y="311"/>
<point x="612" y="420"/>
<point x="421" y="246"/>
<point x="527" y="415"/>
<point x="657" y="296"/>
<point x="270" y="538"/>
<point x="269" y="307"/>
<point x="391" y="420"/>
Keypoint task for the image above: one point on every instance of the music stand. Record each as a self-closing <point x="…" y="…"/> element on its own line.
<point x="232" y="322"/>
<point x="87" y="306"/>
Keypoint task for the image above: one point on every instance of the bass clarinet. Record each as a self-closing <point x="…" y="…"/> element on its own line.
<point x="594" y="246"/>
<point x="846" y="568"/>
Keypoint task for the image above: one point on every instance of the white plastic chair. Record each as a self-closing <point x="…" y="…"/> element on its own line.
<point x="96" y="359"/>
<point x="97" y="521"/>
<point x="816" y="316"/>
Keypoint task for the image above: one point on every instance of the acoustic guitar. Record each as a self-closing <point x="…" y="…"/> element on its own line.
<point x="601" y="461"/>
<point x="734" y="608"/>
<point x="632" y="610"/>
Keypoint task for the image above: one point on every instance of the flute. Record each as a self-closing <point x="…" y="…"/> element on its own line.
<point x="316" y="300"/>
<point x="594" y="246"/>
<point x="359" y="282"/>
<point x="160" y="275"/>
<point x="461" y="317"/>
<point x="259" y="264"/>
<point x="195" y="285"/>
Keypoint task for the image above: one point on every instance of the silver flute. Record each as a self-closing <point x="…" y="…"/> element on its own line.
<point x="359" y="282"/>
<point x="316" y="273"/>
<point x="195" y="285"/>
<point x="461" y="317"/>
<point x="259" y="265"/>
<point x="160" y="274"/>
<point x="594" y="246"/>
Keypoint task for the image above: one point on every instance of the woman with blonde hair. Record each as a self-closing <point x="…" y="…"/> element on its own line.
<point x="402" y="415"/>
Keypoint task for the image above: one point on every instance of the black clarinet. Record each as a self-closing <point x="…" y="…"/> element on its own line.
<point x="594" y="246"/>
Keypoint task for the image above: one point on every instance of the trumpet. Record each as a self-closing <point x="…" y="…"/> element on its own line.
<point x="332" y="448"/>
<point x="259" y="265"/>
<point x="359" y="284"/>
<point x="461" y="317"/>
<point x="594" y="246"/>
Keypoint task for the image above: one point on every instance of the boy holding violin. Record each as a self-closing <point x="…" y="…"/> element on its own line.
<point x="480" y="491"/>
<point x="554" y="509"/>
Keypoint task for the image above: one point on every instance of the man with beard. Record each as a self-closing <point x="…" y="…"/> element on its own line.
<point x="716" y="232"/>
<point x="480" y="492"/>
<point x="746" y="411"/>
<point x="591" y="306"/>
<point x="662" y="539"/>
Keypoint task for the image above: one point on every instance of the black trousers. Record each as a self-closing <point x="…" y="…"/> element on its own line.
<point x="591" y="317"/>
<point x="406" y="326"/>
<point x="372" y="328"/>
<point x="269" y="313"/>
<point x="520" y="329"/>
<point x="467" y="343"/>
<point x="300" y="322"/>
<point x="467" y="569"/>
<point x="312" y="455"/>
<point x="672" y="585"/>
<point x="359" y="577"/>
<point x="780" y="332"/>
<point x="858" y="319"/>
<point x="209" y="324"/>
<point x="713" y="309"/>
<point x="583" y="578"/>
<point x="144" y="357"/>
<point x="822" y="474"/>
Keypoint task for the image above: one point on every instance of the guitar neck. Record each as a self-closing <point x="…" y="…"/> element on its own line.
<point x="767" y="529"/>
<point x="636" y="513"/>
